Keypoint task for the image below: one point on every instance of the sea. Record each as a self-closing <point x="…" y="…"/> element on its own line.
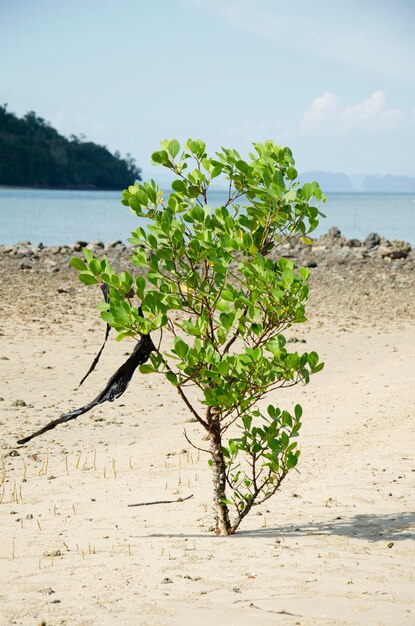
<point x="56" y="217"/>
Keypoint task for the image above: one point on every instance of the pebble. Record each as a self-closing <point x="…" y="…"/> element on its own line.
<point x="52" y="553"/>
<point x="47" y="591"/>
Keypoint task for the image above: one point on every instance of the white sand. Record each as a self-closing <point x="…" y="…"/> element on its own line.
<point x="335" y="546"/>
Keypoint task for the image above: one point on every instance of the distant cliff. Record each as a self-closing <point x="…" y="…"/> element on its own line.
<point x="33" y="154"/>
<point x="339" y="182"/>
<point x="328" y="181"/>
<point x="391" y="184"/>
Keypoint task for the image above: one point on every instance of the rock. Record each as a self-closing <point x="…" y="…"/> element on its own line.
<point x="78" y="245"/>
<point x="20" y="403"/>
<point x="54" y="249"/>
<point x="115" y="243"/>
<point x="36" y="247"/>
<point x="52" y="553"/>
<point x="96" y="244"/>
<point x="25" y="266"/>
<point x="333" y="238"/>
<point x="47" y="591"/>
<point x="394" y="250"/>
<point x="311" y="264"/>
<point x="353" y="243"/>
<point x="372" y="240"/>
<point x="22" y="251"/>
<point x="5" y="249"/>
<point x="334" y="232"/>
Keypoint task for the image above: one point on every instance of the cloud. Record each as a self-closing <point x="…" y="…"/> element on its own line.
<point x="327" y="115"/>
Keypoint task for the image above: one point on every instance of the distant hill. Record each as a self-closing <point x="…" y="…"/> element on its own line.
<point x="389" y="183"/>
<point x="328" y="181"/>
<point x="33" y="154"/>
<point x="339" y="182"/>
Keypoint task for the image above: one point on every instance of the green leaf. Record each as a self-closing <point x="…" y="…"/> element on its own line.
<point x="95" y="266"/>
<point x="226" y="501"/>
<point x="180" y="347"/>
<point x="157" y="158"/>
<point x="298" y="411"/>
<point x="78" y="264"/>
<point x="197" y="213"/>
<point x="88" y="279"/>
<point x="179" y="186"/>
<point x="308" y="190"/>
<point x="193" y="191"/>
<point x="292" y="173"/>
<point x="87" y="254"/>
<point x="223" y="369"/>
<point x="217" y="170"/>
<point x="146" y="369"/>
<point x="173" y="148"/>
<point x="172" y="378"/>
<point x="313" y="359"/>
<point x="140" y="284"/>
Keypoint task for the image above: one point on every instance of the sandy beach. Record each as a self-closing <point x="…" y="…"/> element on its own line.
<point x="335" y="546"/>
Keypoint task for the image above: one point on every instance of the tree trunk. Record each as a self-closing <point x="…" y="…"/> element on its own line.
<point x="223" y="525"/>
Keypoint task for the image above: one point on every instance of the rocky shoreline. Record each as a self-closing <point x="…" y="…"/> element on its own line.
<point x="372" y="280"/>
<point x="327" y="249"/>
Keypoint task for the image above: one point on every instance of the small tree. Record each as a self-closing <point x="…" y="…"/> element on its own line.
<point x="210" y="278"/>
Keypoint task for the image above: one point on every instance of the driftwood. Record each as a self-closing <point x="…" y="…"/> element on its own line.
<point x="115" y="387"/>
<point x="162" y="501"/>
<point x="105" y="291"/>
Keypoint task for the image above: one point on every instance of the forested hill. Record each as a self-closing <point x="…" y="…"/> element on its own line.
<point x="33" y="154"/>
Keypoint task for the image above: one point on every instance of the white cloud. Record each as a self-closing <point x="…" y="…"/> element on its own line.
<point x="327" y="115"/>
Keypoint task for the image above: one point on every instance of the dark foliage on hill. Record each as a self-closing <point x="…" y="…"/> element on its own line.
<point x="33" y="154"/>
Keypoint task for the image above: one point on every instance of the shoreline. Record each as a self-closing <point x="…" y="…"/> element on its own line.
<point x="331" y="245"/>
<point x="349" y="280"/>
<point x="86" y="188"/>
<point x="219" y="190"/>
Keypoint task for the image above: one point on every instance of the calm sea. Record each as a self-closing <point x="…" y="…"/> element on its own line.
<point x="62" y="217"/>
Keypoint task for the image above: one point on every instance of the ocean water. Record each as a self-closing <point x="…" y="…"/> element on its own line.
<point x="63" y="217"/>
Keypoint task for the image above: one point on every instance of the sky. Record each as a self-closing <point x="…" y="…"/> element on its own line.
<point x="334" y="80"/>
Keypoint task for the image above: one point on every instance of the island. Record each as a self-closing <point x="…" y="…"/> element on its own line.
<point x="33" y="154"/>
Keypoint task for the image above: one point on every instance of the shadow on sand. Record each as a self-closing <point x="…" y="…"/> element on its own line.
<point x="392" y="527"/>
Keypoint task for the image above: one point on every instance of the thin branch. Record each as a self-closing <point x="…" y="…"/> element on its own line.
<point x="183" y="396"/>
<point x="193" y="445"/>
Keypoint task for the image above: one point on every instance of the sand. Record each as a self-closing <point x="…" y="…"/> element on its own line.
<point x="334" y="546"/>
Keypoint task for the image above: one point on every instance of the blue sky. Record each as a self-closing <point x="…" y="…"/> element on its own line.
<point x="334" y="80"/>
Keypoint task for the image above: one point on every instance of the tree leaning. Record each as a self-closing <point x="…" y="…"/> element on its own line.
<point x="211" y="278"/>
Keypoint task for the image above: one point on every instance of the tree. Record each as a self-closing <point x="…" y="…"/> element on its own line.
<point x="32" y="153"/>
<point x="212" y="279"/>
